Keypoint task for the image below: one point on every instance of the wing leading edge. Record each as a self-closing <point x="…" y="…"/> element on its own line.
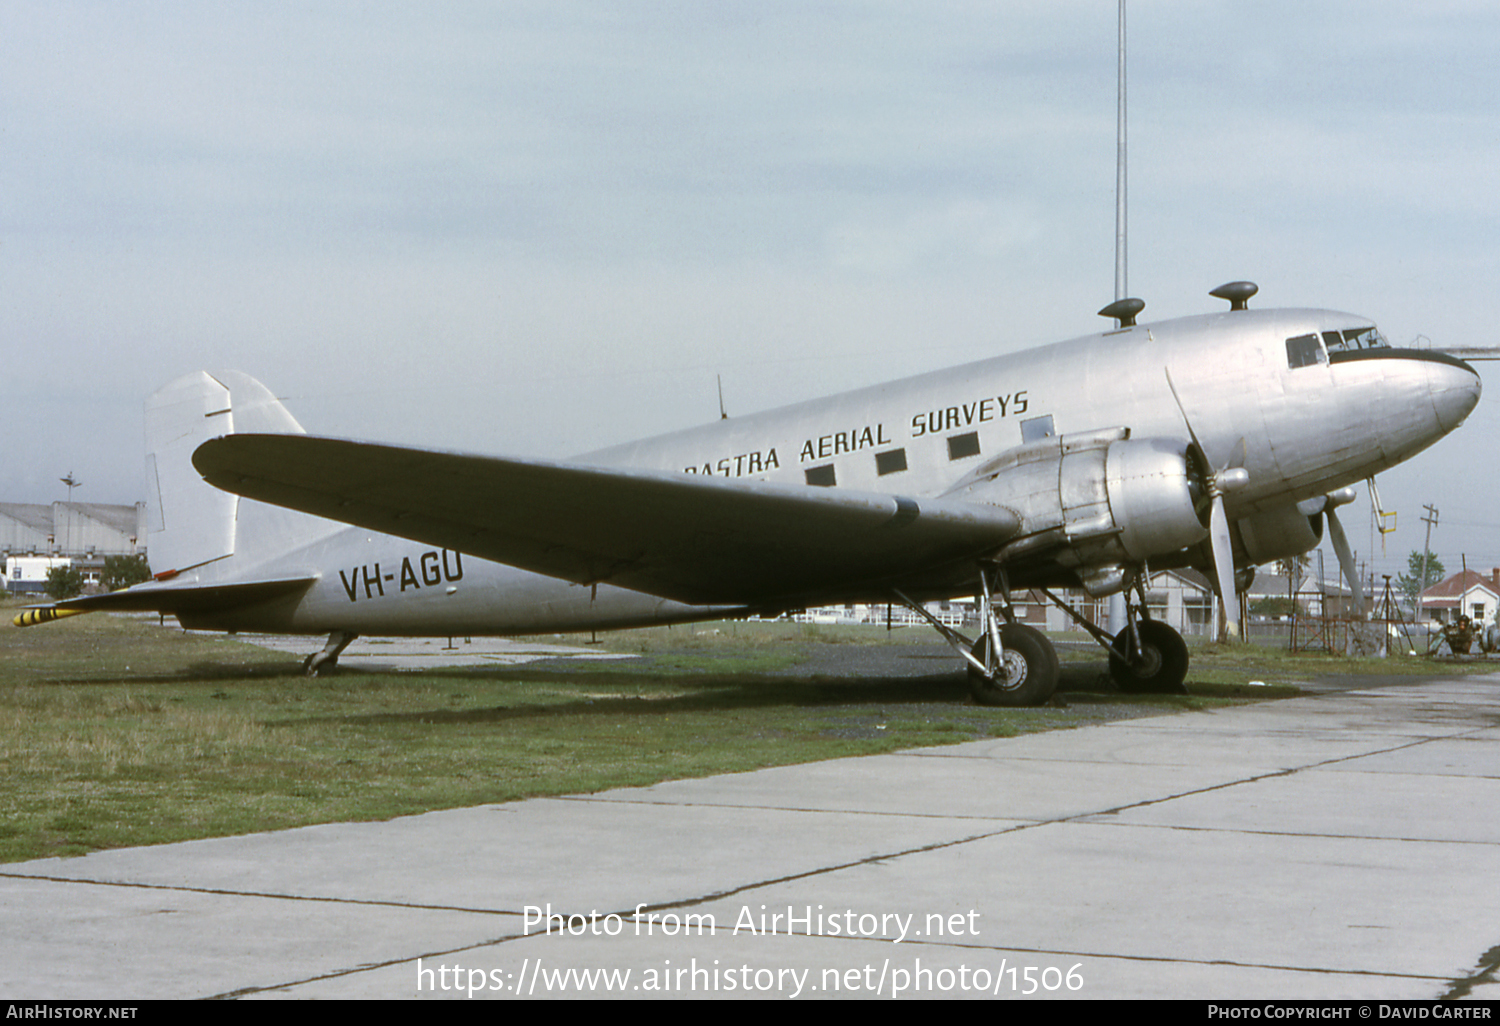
<point x="693" y="539"/>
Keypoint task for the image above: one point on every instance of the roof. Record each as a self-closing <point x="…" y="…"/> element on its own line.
<point x="1460" y="584"/>
<point x="1269" y="585"/>
<point x="36" y="517"/>
<point x="1188" y="576"/>
<point x="116" y="518"/>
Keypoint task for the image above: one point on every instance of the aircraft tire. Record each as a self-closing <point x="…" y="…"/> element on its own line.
<point x="1029" y="669"/>
<point x="312" y="667"/>
<point x="1164" y="666"/>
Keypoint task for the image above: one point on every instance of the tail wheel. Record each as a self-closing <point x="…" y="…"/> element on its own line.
<point x="1028" y="669"/>
<point x="1162" y="666"/>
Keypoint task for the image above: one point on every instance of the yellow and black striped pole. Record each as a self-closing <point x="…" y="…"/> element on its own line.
<point x="32" y="617"/>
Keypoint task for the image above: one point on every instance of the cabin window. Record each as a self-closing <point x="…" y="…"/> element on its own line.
<point x="962" y="446"/>
<point x="1037" y="428"/>
<point x="892" y="462"/>
<point x="1303" y="351"/>
<point x="822" y="476"/>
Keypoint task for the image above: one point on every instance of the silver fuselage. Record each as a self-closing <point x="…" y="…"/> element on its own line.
<point x="1298" y="431"/>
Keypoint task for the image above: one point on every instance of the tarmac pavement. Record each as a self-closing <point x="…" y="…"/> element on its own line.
<point x="1341" y="845"/>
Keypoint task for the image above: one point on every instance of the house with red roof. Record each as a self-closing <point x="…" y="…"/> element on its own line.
<point x="1467" y="593"/>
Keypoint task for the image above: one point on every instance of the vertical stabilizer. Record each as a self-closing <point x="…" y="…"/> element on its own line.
<point x="190" y="523"/>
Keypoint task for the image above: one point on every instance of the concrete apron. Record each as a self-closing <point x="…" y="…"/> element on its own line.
<point x="1337" y="846"/>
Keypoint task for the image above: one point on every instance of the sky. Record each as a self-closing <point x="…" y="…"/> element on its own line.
<point x="540" y="228"/>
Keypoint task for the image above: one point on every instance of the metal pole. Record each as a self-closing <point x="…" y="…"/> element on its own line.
<point x="1430" y="519"/>
<point x="1117" y="612"/>
<point x="1122" y="279"/>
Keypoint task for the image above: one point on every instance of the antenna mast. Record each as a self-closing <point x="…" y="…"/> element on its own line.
<point x="1122" y="283"/>
<point x="1118" y="616"/>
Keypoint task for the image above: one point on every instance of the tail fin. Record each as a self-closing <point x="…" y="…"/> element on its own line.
<point x="190" y="523"/>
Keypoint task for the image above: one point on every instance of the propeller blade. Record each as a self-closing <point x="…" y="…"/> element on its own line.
<point x="1183" y="410"/>
<point x="1226" y="479"/>
<point x="1346" y="556"/>
<point x="1218" y="532"/>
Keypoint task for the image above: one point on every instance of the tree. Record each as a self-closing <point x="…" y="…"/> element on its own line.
<point x="123" y="571"/>
<point x="1294" y="568"/>
<point x="64" y="582"/>
<point x="1412" y="583"/>
<point x="1274" y="606"/>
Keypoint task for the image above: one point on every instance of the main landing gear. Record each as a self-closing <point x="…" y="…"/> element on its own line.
<point x="1155" y="661"/>
<point x="328" y="659"/>
<point x="1011" y="663"/>
<point x="1147" y="657"/>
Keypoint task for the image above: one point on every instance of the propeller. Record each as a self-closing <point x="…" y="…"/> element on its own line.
<point x="1326" y="504"/>
<point x="1215" y="484"/>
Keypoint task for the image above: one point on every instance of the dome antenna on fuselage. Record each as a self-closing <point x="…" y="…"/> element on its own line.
<point x="1124" y="311"/>
<point x="1237" y="293"/>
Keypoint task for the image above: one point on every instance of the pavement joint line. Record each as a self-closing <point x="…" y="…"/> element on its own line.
<point x="1285" y="833"/>
<point x="792" y="808"/>
<point x="223" y="893"/>
<point x="1257" y="778"/>
<point x="353" y="970"/>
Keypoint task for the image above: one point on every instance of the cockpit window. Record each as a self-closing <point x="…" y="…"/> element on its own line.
<point x="1355" y="339"/>
<point x="1303" y="351"/>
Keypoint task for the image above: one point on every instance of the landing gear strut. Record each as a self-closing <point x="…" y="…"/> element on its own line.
<point x="1011" y="664"/>
<point x="1147" y="657"/>
<point x="328" y="659"/>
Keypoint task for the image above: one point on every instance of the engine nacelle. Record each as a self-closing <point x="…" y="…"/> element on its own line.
<point x="1276" y="534"/>
<point x="1095" y="501"/>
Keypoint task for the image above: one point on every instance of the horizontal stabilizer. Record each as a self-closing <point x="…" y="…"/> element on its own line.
<point x="175" y="599"/>
<point x="700" y="540"/>
<point x="1470" y="353"/>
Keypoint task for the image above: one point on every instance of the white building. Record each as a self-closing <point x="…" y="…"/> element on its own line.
<point x="35" y="536"/>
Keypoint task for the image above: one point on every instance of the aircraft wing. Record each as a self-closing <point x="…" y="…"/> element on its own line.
<point x="699" y="540"/>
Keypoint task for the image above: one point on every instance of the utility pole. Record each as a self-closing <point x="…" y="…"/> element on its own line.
<point x="1430" y="519"/>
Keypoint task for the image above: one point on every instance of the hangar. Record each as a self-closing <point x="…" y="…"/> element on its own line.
<point x="83" y="533"/>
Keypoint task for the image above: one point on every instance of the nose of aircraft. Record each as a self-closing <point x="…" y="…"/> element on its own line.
<point x="1454" y="387"/>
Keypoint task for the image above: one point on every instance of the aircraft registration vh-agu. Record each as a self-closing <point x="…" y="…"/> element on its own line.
<point x="1220" y="441"/>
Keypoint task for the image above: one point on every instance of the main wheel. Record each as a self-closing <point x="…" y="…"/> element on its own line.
<point x="1028" y="671"/>
<point x="312" y="666"/>
<point x="1162" y="667"/>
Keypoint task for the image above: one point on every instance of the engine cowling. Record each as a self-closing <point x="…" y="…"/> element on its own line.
<point x="1276" y="534"/>
<point x="1095" y="501"/>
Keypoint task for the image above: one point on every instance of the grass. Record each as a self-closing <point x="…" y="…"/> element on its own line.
<point x="115" y="731"/>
